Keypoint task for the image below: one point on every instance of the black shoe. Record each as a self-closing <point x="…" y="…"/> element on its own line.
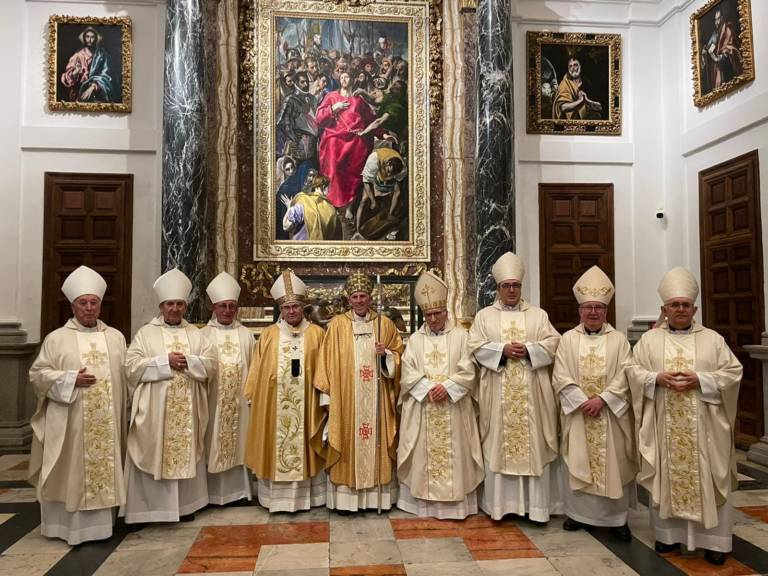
<point x="622" y="533"/>
<point x="187" y="517"/>
<point x="715" y="557"/>
<point x="537" y="523"/>
<point x="343" y="512"/>
<point x="572" y="525"/>
<point x="662" y="548"/>
<point x="135" y="527"/>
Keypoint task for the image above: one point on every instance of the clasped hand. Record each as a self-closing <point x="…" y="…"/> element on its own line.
<point x="437" y="393"/>
<point x="84" y="380"/>
<point x="515" y="350"/>
<point x="381" y="350"/>
<point x="593" y="406"/>
<point x="177" y="360"/>
<point x="678" y="381"/>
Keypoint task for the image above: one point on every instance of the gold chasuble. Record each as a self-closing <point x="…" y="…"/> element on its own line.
<point x="351" y="385"/>
<point x="77" y="446"/>
<point x="285" y="441"/>
<point x="686" y="439"/>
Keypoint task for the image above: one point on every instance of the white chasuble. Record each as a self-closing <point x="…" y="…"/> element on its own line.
<point x="682" y="431"/>
<point x="178" y="429"/>
<point x="98" y="421"/>
<point x="439" y="425"/>
<point x="592" y="380"/>
<point x="224" y="442"/>
<point x="366" y="405"/>
<point x="515" y="401"/>
<point x="289" y="412"/>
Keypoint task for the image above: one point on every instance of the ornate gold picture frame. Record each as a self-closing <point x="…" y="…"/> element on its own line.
<point x="574" y="83"/>
<point x="721" y="49"/>
<point x="89" y="63"/>
<point x="341" y="131"/>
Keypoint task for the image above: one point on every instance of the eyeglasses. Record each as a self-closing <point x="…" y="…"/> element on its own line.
<point x="510" y="286"/>
<point x="679" y="305"/>
<point x="593" y="308"/>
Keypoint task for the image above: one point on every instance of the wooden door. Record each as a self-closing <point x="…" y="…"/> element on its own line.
<point x="732" y="274"/>
<point x="88" y="220"/>
<point x="575" y="233"/>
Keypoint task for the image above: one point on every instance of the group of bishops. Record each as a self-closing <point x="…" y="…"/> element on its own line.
<point x="509" y="418"/>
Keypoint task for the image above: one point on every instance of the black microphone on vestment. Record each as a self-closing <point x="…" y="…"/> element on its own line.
<point x="295" y="367"/>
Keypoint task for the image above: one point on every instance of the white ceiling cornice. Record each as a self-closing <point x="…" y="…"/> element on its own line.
<point x="598" y="13"/>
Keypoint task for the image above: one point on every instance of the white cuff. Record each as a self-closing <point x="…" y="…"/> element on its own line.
<point x="325" y="400"/>
<point x="196" y="368"/>
<point x="455" y="391"/>
<point x="709" y="392"/>
<point x="389" y="364"/>
<point x="489" y="355"/>
<point x="63" y="390"/>
<point x="421" y="389"/>
<point x="157" y="370"/>
<point x="538" y="356"/>
<point x="617" y="405"/>
<point x="325" y="432"/>
<point x="649" y="386"/>
<point x="571" y="397"/>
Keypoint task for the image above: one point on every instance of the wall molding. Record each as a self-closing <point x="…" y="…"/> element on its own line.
<point x="75" y="139"/>
<point x="538" y="151"/>
<point x="650" y="13"/>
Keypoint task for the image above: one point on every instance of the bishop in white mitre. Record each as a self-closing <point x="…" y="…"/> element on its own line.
<point x="439" y="458"/>
<point x="285" y="446"/>
<point x="76" y="461"/>
<point x="233" y="343"/>
<point x="515" y="345"/>
<point x="168" y="364"/>
<point x="690" y="382"/>
<point x="597" y="439"/>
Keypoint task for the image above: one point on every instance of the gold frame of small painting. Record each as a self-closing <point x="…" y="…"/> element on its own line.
<point x="574" y="83"/>
<point x="722" y="55"/>
<point x="90" y="63"/>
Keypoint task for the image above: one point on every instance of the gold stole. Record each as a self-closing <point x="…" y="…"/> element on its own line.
<point x="98" y="420"/>
<point x="514" y="400"/>
<point x="366" y="404"/>
<point x="592" y="380"/>
<point x="228" y="401"/>
<point x="289" y="410"/>
<point x="178" y="422"/>
<point x="682" y="431"/>
<point x="439" y="446"/>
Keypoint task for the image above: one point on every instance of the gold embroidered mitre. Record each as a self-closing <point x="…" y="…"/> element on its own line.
<point x="678" y="283"/>
<point x="431" y="292"/>
<point x="508" y="267"/>
<point x="593" y="286"/>
<point x="84" y="281"/>
<point x="288" y="288"/>
<point x="358" y="282"/>
<point x="223" y="287"/>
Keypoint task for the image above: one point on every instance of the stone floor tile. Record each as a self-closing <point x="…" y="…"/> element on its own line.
<point x="444" y="569"/>
<point x="757" y="533"/>
<point x="246" y="573"/>
<point x="18" y="495"/>
<point x="319" y="514"/>
<point x="371" y="570"/>
<point x="16" y="461"/>
<point x="562" y="543"/>
<point x="354" y="528"/>
<point x="5" y="517"/>
<point x="697" y="565"/>
<point x="292" y="557"/>
<point x="602" y="565"/>
<point x="36" y="543"/>
<point x="228" y="516"/>
<point x="207" y="564"/>
<point x="160" y="537"/>
<point x="757" y="512"/>
<point x="426" y="550"/>
<point x="518" y="567"/>
<point x="364" y="553"/>
<point x="301" y="572"/>
<point x="27" y="564"/>
<point x="742" y="498"/>
<point x="141" y="563"/>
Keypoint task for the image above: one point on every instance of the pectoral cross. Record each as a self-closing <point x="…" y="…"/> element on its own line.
<point x="94" y="358"/>
<point x="227" y="348"/>
<point x="679" y="363"/>
<point x="512" y="333"/>
<point x="435" y="358"/>
<point x="179" y="346"/>
<point x="592" y="361"/>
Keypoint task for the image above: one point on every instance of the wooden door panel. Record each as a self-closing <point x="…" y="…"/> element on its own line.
<point x="732" y="274"/>
<point x="575" y="233"/>
<point x="88" y="221"/>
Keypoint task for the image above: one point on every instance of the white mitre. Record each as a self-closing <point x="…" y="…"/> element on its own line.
<point x="508" y="267"/>
<point x="84" y="281"/>
<point x="678" y="283"/>
<point x="288" y="288"/>
<point x="223" y="287"/>
<point x="593" y="286"/>
<point x="173" y="285"/>
<point x="431" y="292"/>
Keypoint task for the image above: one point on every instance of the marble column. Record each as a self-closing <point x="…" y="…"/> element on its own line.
<point x="494" y="164"/>
<point x="17" y="398"/>
<point x="758" y="452"/>
<point x="184" y="150"/>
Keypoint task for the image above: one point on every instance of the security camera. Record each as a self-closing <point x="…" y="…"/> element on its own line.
<point x="659" y="211"/>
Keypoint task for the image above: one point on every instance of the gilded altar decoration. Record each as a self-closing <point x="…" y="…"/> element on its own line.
<point x="341" y="131"/>
<point x="722" y="56"/>
<point x="98" y="420"/>
<point x="514" y="400"/>
<point x="89" y="63"/>
<point x="439" y="431"/>
<point x="366" y="403"/>
<point x="681" y="421"/>
<point x="592" y="380"/>
<point x="178" y="423"/>
<point x="228" y="400"/>
<point x="574" y="83"/>
<point x="289" y="434"/>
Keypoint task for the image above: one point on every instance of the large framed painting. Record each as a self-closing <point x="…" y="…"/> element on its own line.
<point x="574" y="83"/>
<point x="89" y="63"/>
<point x="341" y="131"/>
<point x="721" y="51"/>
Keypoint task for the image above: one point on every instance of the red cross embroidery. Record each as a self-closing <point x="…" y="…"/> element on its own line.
<point x="366" y="373"/>
<point x="365" y="431"/>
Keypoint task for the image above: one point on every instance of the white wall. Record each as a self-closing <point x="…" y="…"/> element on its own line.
<point x="665" y="140"/>
<point x="34" y="140"/>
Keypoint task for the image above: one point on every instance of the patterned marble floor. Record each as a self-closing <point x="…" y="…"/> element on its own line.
<point x="245" y="540"/>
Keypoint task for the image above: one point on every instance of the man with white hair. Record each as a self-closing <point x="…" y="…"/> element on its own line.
<point x="285" y="445"/>
<point x="168" y="365"/>
<point x="690" y="382"/>
<point x="597" y="429"/>
<point x="514" y="343"/>
<point x="76" y="461"/>
<point x="439" y="459"/>
<point x="233" y="343"/>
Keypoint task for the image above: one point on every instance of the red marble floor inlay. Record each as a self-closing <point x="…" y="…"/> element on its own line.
<point x="759" y="512"/>
<point x="486" y="539"/>
<point x="236" y="548"/>
<point x="698" y="566"/>
<point x="20" y="466"/>
<point x="375" y="570"/>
